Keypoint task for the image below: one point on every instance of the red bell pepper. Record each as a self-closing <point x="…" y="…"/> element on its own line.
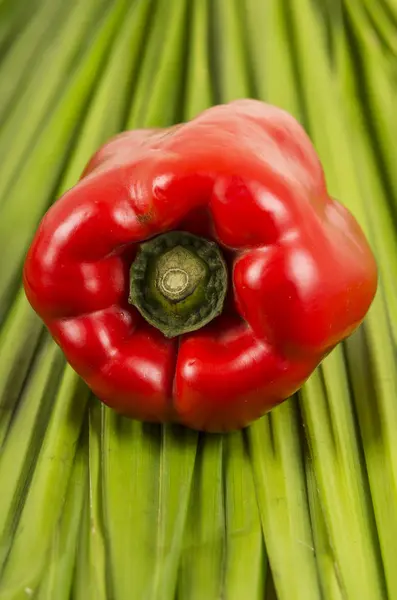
<point x="239" y="222"/>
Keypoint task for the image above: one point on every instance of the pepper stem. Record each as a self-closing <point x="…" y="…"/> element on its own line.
<point x="178" y="282"/>
<point x="178" y="274"/>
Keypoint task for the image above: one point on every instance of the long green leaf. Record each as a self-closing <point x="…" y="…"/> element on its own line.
<point x="157" y="102"/>
<point x="130" y="503"/>
<point x="32" y="108"/>
<point x="19" y="336"/>
<point x="27" y="559"/>
<point x="198" y="91"/>
<point x="24" y="439"/>
<point x="245" y="565"/>
<point x="277" y="462"/>
<point x="203" y="557"/>
<point x="57" y="580"/>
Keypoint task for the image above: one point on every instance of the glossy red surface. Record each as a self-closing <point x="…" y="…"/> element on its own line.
<point x="302" y="273"/>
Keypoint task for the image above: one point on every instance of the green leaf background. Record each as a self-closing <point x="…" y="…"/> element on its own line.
<point x="303" y="504"/>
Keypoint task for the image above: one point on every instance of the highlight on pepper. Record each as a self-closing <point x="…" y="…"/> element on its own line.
<point x="200" y="274"/>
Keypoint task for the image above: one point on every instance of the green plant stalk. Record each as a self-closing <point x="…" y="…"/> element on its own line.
<point x="32" y="110"/>
<point x="177" y="461"/>
<point x="342" y="482"/>
<point x="113" y="91"/>
<point x="15" y="17"/>
<point x="44" y="166"/>
<point x="81" y="584"/>
<point x="130" y="486"/>
<point x="379" y="98"/>
<point x="96" y="571"/>
<point x="337" y="480"/>
<point x="329" y="576"/>
<point x="370" y="393"/>
<point x="246" y="563"/>
<point x="57" y="580"/>
<point x="382" y="22"/>
<point x="268" y="39"/>
<point x="277" y="463"/>
<point x="390" y="7"/>
<point x="159" y="88"/>
<point x="198" y="87"/>
<point x="18" y="64"/>
<point x="257" y="15"/>
<point x="24" y="440"/>
<point x="27" y="560"/>
<point x="230" y="64"/>
<point x="201" y="572"/>
<point x="19" y="336"/>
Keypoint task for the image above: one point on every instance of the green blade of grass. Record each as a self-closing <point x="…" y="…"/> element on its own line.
<point x="332" y="441"/>
<point x="376" y="77"/>
<point x="19" y="336"/>
<point x="257" y="15"/>
<point x="198" y="92"/>
<point x="26" y="50"/>
<point x="245" y="568"/>
<point x="280" y="484"/>
<point x="382" y="22"/>
<point x="146" y="489"/>
<point x="389" y="7"/>
<point x="177" y="460"/>
<point x="96" y="571"/>
<point x="15" y="17"/>
<point x="81" y="584"/>
<point x="27" y="560"/>
<point x="327" y="566"/>
<point x="159" y="88"/>
<point x="32" y="109"/>
<point x="113" y="91"/>
<point x="202" y="561"/>
<point x="268" y="31"/>
<point x="229" y="59"/>
<point x="56" y="583"/>
<point x="130" y="497"/>
<point x="374" y="393"/>
<point x="24" y="439"/>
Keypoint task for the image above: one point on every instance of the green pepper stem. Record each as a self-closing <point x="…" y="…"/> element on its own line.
<point x="178" y="282"/>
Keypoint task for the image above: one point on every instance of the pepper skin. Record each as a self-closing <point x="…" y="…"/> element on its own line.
<point x="302" y="275"/>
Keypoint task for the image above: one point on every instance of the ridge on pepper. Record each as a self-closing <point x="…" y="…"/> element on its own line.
<point x="199" y="274"/>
